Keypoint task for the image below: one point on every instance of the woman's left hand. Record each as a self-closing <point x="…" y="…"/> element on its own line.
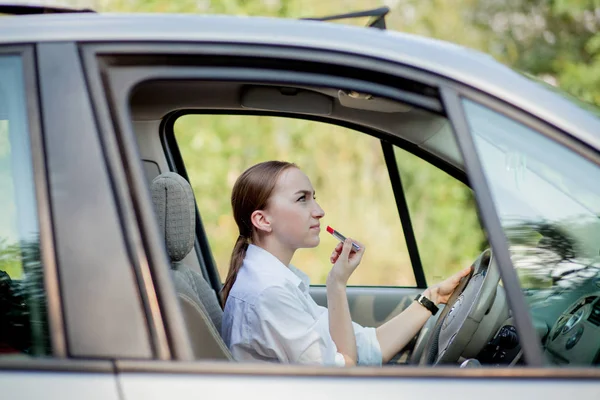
<point x="440" y="293"/>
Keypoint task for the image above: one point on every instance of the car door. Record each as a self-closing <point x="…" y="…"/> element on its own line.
<point x="113" y="88"/>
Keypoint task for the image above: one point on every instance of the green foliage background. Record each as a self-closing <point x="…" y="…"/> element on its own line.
<point x="555" y="40"/>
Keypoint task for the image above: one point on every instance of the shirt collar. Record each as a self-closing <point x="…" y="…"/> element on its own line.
<point x="261" y="261"/>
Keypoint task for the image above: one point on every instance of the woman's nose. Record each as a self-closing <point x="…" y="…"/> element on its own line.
<point x="318" y="213"/>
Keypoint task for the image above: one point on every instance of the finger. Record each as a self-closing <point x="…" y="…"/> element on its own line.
<point x="356" y="255"/>
<point x="335" y="257"/>
<point x="353" y="250"/>
<point x="338" y="247"/>
<point x="462" y="273"/>
<point x="346" y="248"/>
<point x="362" y="246"/>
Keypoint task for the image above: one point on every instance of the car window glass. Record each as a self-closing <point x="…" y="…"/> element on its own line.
<point x="23" y="326"/>
<point x="548" y="201"/>
<point x="443" y="215"/>
<point x="346" y="168"/>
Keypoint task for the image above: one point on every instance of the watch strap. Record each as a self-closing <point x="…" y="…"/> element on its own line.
<point x="428" y="304"/>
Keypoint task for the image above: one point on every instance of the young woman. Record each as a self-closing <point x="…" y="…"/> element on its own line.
<point x="269" y="314"/>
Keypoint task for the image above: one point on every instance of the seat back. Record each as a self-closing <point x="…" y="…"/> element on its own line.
<point x="175" y="210"/>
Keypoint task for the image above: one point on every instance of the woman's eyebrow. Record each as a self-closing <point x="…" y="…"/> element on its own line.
<point x="304" y="191"/>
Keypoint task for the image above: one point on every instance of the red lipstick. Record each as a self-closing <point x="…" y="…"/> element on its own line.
<point x="341" y="237"/>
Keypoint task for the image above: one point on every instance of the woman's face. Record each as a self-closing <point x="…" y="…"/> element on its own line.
<point x="293" y="211"/>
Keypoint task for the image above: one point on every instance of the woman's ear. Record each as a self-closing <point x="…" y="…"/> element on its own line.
<point x="261" y="221"/>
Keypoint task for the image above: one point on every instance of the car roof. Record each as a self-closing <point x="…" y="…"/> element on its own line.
<point x="464" y="65"/>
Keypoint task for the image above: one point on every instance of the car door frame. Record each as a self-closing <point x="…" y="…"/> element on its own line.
<point x="391" y="300"/>
<point x="174" y="158"/>
<point x="368" y="65"/>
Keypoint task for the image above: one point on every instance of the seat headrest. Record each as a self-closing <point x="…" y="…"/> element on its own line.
<point x="176" y="212"/>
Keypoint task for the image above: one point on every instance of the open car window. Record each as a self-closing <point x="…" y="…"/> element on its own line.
<point x="346" y="167"/>
<point x="443" y="215"/>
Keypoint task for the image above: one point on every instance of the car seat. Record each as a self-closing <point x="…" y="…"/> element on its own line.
<point x="176" y="212"/>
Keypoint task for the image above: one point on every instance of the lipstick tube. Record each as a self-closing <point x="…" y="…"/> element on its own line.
<point x="341" y="237"/>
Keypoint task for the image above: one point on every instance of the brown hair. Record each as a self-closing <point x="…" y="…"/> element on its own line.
<point x="251" y="192"/>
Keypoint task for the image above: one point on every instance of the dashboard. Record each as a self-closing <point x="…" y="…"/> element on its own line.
<point x="575" y="336"/>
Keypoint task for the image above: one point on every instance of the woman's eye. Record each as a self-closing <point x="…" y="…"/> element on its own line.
<point x="302" y="198"/>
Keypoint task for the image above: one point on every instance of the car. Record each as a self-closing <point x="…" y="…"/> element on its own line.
<point x="107" y="292"/>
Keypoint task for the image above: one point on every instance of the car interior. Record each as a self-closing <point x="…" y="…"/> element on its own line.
<point x="153" y="102"/>
<point x="483" y="334"/>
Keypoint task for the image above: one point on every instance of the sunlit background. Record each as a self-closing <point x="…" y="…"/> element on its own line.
<point x="556" y="41"/>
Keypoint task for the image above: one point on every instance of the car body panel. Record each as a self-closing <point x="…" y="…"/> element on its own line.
<point x="94" y="267"/>
<point x="141" y="386"/>
<point x="58" y="385"/>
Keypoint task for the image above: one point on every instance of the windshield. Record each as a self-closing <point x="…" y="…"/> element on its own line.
<point x="548" y="202"/>
<point x="547" y="197"/>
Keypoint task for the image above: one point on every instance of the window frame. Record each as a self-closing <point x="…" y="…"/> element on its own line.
<point x="85" y="177"/>
<point x="54" y="317"/>
<point x="168" y="334"/>
<point x="354" y="62"/>
<point x="121" y="85"/>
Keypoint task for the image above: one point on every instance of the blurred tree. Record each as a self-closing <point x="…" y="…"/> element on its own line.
<point x="555" y="40"/>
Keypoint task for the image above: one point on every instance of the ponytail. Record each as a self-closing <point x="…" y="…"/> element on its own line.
<point x="251" y="192"/>
<point x="237" y="258"/>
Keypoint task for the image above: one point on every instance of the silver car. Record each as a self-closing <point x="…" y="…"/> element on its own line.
<point x="100" y="299"/>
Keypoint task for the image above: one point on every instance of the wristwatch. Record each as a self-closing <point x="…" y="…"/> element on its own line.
<point x="428" y="304"/>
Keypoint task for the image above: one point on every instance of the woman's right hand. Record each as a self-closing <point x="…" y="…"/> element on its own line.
<point x="345" y="260"/>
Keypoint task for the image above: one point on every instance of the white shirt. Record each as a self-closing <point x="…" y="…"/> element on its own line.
<point x="270" y="316"/>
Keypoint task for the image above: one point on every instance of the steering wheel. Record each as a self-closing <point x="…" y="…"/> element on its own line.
<point x="460" y="318"/>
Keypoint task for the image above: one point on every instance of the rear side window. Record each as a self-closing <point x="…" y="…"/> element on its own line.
<point x="23" y="322"/>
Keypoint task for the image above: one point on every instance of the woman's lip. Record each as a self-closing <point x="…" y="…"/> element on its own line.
<point x="315" y="227"/>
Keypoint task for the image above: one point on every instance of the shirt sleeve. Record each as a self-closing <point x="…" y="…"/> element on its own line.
<point x="288" y="331"/>
<point x="367" y="346"/>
